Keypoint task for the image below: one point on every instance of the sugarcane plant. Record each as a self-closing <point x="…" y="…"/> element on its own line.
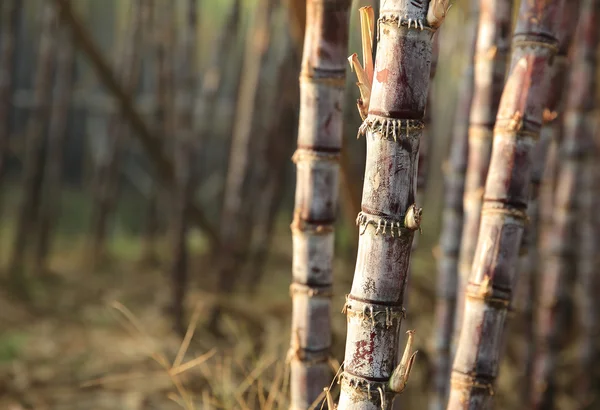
<point x="504" y="213"/>
<point x="491" y="59"/>
<point x="562" y="263"/>
<point x="393" y="107"/>
<point x="452" y="223"/>
<point x="526" y="291"/>
<point x="322" y="82"/>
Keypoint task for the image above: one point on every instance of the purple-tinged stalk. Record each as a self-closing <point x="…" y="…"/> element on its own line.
<point x="10" y="13"/>
<point x="389" y="215"/>
<point x="577" y="151"/>
<point x="57" y="134"/>
<point x="452" y="225"/>
<point x="322" y="81"/>
<point x="37" y="123"/>
<point x="489" y="290"/>
<point x="527" y="284"/>
<point x="492" y="49"/>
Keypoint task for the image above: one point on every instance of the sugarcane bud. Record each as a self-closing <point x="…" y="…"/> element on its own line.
<point x="437" y="12"/>
<point x="413" y="217"/>
<point x="401" y="373"/>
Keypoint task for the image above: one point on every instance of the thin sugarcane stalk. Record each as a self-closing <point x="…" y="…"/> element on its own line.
<point x="526" y="294"/>
<point x="50" y="207"/>
<point x="186" y="150"/>
<point x="149" y="139"/>
<point x="322" y="81"/>
<point x="10" y="13"/>
<point x="489" y="290"/>
<point x="452" y="223"/>
<point x="491" y="60"/>
<point x="561" y="264"/>
<point x="37" y="123"/>
<point x="106" y="184"/>
<point x="389" y="215"/>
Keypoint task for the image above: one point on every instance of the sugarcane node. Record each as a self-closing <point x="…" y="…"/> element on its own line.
<point x="485" y="291"/>
<point x="551" y="45"/>
<point x="299" y="225"/>
<point x="304" y="154"/>
<point x="389" y="128"/>
<point x="378" y="315"/>
<point x="505" y="210"/>
<point x="383" y="225"/>
<point x="469" y="382"/>
<point x="481" y="131"/>
<point x="396" y="20"/>
<point x="323" y="291"/>
<point x="368" y="386"/>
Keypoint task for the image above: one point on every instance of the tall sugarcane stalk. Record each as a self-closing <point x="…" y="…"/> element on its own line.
<point x="452" y="225"/>
<point x="53" y="164"/>
<point x="394" y="107"/>
<point x="577" y="151"/>
<point x="489" y="289"/>
<point x="322" y="82"/>
<point x="526" y="291"/>
<point x="36" y="125"/>
<point x="491" y="60"/>
<point x="186" y="150"/>
<point x="10" y="15"/>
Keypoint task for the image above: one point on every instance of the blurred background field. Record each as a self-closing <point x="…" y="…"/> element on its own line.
<point x="64" y="345"/>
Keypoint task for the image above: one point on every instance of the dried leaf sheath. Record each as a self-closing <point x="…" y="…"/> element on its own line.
<point x="576" y="151"/>
<point x="451" y="232"/>
<point x="322" y="83"/>
<point x="491" y="58"/>
<point x="389" y="216"/>
<point x="491" y="282"/>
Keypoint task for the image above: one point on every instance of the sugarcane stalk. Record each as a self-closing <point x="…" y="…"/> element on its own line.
<point x="10" y="14"/>
<point x="562" y="262"/>
<point x="57" y="134"/>
<point x="526" y="287"/>
<point x="322" y="82"/>
<point x="489" y="290"/>
<point x="491" y="62"/>
<point x="389" y="216"/>
<point x="455" y="169"/>
<point x="37" y="123"/>
<point x="186" y="150"/>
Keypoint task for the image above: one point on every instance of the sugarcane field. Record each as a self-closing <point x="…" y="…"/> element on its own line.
<point x="299" y="204"/>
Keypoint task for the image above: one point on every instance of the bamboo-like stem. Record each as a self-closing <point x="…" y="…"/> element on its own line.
<point x="10" y="14"/>
<point x="36" y="125"/>
<point x="389" y="215"/>
<point x="526" y="286"/>
<point x="452" y="223"/>
<point x="492" y="50"/>
<point x="576" y="152"/>
<point x="322" y="81"/>
<point x="49" y="209"/>
<point x="150" y="140"/>
<point x="186" y="150"/>
<point x="106" y="181"/>
<point x="490" y="286"/>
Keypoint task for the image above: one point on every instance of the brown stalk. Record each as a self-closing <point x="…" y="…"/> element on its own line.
<point x="452" y="225"/>
<point x="389" y="216"/>
<point x="37" y="123"/>
<point x="528" y="277"/>
<point x="322" y="82"/>
<point x="489" y="290"/>
<point x="561" y="264"/>
<point x="492" y="50"/>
